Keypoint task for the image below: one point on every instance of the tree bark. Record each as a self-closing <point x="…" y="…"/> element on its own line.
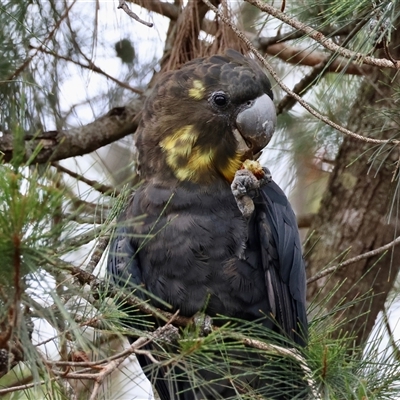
<point x="355" y="210"/>
<point x="58" y="145"/>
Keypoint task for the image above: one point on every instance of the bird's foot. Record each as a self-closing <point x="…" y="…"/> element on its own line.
<point x="246" y="183"/>
<point x="202" y="323"/>
<point x="168" y="333"/>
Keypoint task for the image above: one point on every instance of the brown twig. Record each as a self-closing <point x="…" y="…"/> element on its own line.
<point x="392" y="340"/>
<point x="83" y="220"/>
<point x="388" y="53"/>
<point x="284" y="352"/>
<point x="122" y="5"/>
<point x="108" y="289"/>
<point x="98" y="363"/>
<point x="24" y="387"/>
<point x="368" y="254"/>
<point x="135" y="348"/>
<point x="90" y="66"/>
<point x="168" y="10"/>
<point x="98" y="252"/>
<point x="299" y="99"/>
<point x="103" y="189"/>
<point x="79" y="240"/>
<point x="112" y="363"/>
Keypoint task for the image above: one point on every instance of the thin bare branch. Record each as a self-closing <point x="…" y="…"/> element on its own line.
<point x="168" y="10"/>
<point x="307" y="106"/>
<point x="284" y="352"/>
<point x="25" y="387"/>
<point x="312" y="58"/>
<point x="301" y="87"/>
<point x="319" y="70"/>
<point x="89" y="219"/>
<point x="328" y="43"/>
<point x="393" y="342"/>
<point x="122" y="5"/>
<point x="368" y="254"/>
<point x="98" y="252"/>
<point x="113" y="362"/>
<point x="90" y="66"/>
<point x="100" y="187"/>
<point x="79" y="240"/>
<point x="111" y="290"/>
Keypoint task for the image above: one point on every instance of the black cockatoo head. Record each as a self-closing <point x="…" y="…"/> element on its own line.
<point x="202" y="121"/>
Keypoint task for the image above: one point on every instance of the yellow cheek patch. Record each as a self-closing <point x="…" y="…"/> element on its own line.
<point x="182" y="138"/>
<point x="197" y="91"/>
<point x="188" y="162"/>
<point x="193" y="163"/>
<point x="233" y="164"/>
<point x="198" y="166"/>
<point x="179" y="145"/>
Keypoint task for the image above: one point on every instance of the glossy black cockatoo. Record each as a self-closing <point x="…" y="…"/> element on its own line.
<point x="198" y="247"/>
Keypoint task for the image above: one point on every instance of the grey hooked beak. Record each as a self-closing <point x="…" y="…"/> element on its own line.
<point x="256" y="124"/>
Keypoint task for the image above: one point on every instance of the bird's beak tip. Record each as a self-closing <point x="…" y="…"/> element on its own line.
<point x="256" y="124"/>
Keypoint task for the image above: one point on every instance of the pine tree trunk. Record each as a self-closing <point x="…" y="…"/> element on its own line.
<point x="354" y="213"/>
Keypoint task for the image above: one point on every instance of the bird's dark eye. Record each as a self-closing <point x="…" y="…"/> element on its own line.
<point x="220" y="99"/>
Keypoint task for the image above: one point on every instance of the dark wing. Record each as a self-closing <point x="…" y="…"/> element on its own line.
<point x="283" y="262"/>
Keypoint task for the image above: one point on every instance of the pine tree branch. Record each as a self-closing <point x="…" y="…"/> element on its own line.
<point x="114" y="362"/>
<point x="110" y="290"/>
<point x="368" y="254"/>
<point x="322" y="68"/>
<point x="263" y="42"/>
<point x="26" y="386"/>
<point x="273" y="45"/>
<point x="100" y="187"/>
<point x="283" y="352"/>
<point x="312" y="58"/>
<point x="299" y="99"/>
<point x="326" y="42"/>
<point x="58" y="145"/>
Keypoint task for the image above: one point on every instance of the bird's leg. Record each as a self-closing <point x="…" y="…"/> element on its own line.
<point x="245" y="185"/>
<point x="244" y="188"/>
